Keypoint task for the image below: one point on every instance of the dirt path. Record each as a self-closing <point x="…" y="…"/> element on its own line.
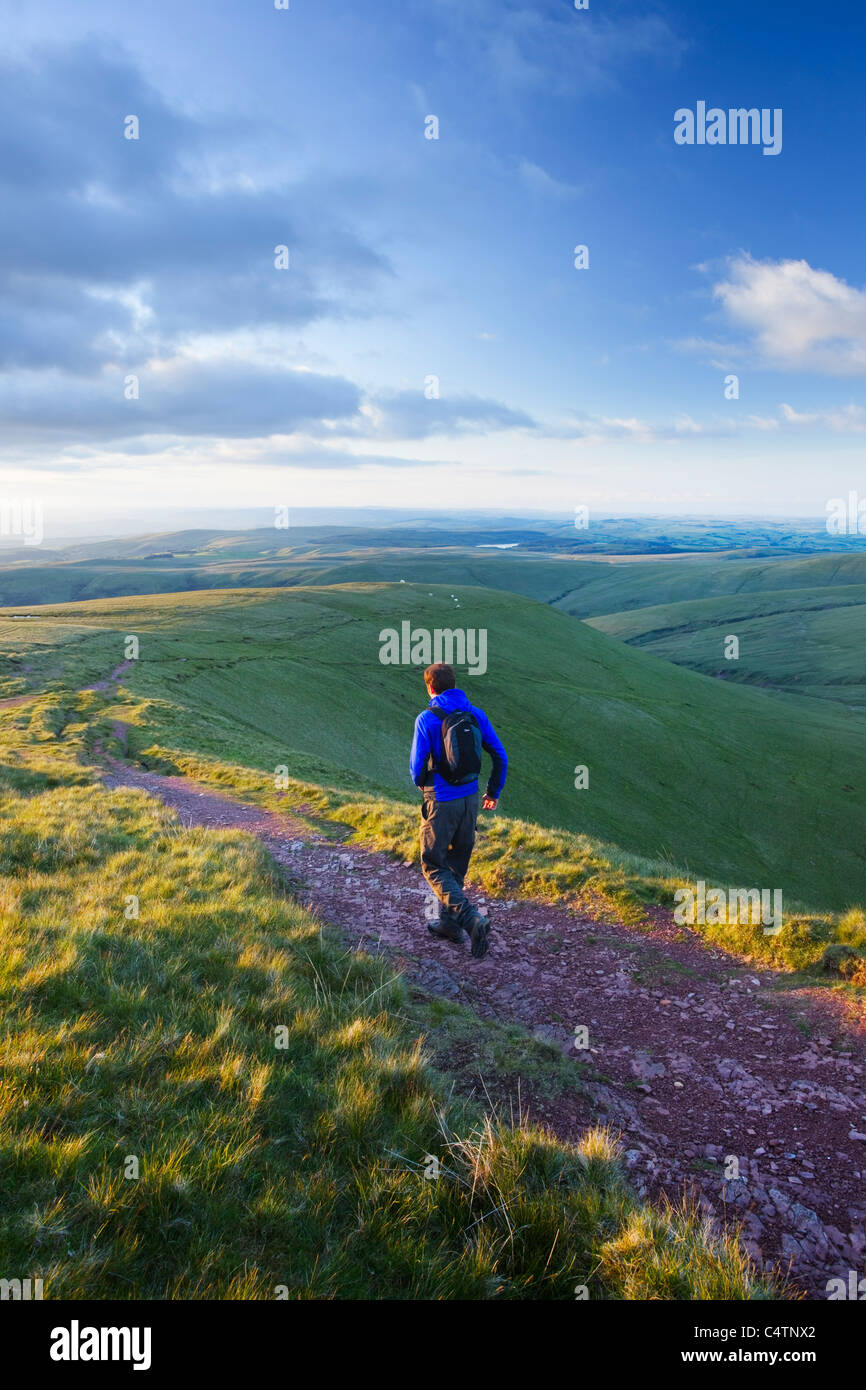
<point x="13" y="701"/>
<point x="694" y="1057"/>
<point x="110" y="682"/>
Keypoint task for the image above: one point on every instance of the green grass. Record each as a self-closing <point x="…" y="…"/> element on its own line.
<point x="549" y="563"/>
<point x="512" y="857"/>
<point x="517" y="858"/>
<point x="233" y="685"/>
<point x="150" y="1034"/>
<point x="607" y="588"/>
<point x="799" y="619"/>
<point x="800" y="641"/>
<point x="156" y="1142"/>
<point x="719" y="779"/>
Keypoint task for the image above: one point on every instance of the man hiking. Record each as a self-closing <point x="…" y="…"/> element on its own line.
<point x="445" y="763"/>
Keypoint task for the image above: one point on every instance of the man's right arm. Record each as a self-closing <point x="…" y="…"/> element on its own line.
<point x="493" y="745"/>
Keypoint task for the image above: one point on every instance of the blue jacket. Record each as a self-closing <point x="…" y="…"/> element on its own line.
<point x="428" y="739"/>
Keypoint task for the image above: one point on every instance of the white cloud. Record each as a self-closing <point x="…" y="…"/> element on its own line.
<point x="593" y="429"/>
<point x="840" y="419"/>
<point x="845" y="419"/>
<point x="796" y="317"/>
<point x="763" y="422"/>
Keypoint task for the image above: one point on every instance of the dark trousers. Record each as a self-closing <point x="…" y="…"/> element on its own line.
<point x="447" y="840"/>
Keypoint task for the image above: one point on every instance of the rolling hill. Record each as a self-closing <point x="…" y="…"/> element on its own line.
<point x="804" y="641"/>
<point x="748" y="786"/>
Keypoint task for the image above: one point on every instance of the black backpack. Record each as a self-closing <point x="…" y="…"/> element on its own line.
<point x="461" y="746"/>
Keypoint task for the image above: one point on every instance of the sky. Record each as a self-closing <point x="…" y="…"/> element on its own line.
<point x="425" y="337"/>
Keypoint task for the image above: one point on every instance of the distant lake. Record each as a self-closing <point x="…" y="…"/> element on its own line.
<point x="497" y="545"/>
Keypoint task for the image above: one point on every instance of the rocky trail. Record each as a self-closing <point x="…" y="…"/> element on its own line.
<point x="723" y="1084"/>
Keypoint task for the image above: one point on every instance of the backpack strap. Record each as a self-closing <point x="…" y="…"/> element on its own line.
<point x="441" y="715"/>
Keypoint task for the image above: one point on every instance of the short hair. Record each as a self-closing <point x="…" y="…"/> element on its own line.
<point x="440" y="677"/>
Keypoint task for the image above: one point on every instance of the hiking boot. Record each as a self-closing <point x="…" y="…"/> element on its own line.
<point x="478" y="934"/>
<point x="447" y="932"/>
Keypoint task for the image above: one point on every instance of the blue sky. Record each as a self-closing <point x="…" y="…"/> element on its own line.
<point x="413" y="259"/>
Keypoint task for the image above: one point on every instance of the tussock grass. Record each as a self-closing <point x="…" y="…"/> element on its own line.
<point x="207" y="1096"/>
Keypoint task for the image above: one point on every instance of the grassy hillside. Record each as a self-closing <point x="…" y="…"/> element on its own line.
<point x="722" y="780"/>
<point x="547" y="563"/>
<point x="605" y="587"/>
<point x="545" y="577"/>
<point x="805" y="641"/>
<point x="800" y="621"/>
<point x="207" y="1097"/>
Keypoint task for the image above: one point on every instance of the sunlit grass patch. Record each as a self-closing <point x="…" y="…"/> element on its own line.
<point x="207" y="1096"/>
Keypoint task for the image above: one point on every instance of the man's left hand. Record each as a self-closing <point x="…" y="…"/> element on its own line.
<point x="489" y="803"/>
